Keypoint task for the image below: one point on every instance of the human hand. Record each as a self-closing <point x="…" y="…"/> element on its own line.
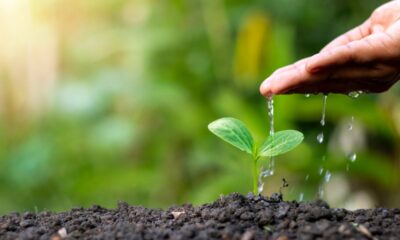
<point x="366" y="58"/>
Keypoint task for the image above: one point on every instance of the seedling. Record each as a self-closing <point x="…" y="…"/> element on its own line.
<point x="236" y="133"/>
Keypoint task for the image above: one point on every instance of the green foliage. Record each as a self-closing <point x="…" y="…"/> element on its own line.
<point x="280" y="143"/>
<point x="236" y="133"/>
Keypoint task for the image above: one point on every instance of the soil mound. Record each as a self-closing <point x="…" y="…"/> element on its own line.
<point x="230" y="217"/>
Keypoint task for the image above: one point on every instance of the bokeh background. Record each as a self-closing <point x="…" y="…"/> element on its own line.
<point x="102" y="101"/>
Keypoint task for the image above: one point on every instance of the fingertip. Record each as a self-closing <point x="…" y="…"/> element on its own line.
<point x="265" y="87"/>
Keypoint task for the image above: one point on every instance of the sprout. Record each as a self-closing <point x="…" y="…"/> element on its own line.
<point x="236" y="133"/>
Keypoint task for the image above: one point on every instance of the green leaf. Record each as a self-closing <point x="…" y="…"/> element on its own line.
<point x="280" y="143"/>
<point x="234" y="132"/>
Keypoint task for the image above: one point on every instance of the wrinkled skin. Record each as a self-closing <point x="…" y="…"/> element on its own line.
<point x="366" y="58"/>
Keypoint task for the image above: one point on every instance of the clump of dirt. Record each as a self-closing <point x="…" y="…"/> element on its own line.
<point x="230" y="217"/>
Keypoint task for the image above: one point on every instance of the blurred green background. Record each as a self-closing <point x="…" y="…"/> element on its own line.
<point x="102" y="101"/>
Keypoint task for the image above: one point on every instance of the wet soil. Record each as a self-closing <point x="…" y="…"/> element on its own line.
<point x="230" y="217"/>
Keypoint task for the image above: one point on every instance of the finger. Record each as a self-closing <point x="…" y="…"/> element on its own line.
<point x="373" y="47"/>
<point x="376" y="79"/>
<point x="291" y="66"/>
<point x="354" y="34"/>
<point x="278" y="83"/>
<point x="265" y="87"/>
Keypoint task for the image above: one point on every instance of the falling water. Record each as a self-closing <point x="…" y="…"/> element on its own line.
<point x="328" y="176"/>
<point x="350" y="126"/>
<point x="260" y="186"/>
<point x="324" y="110"/>
<point x="320" y="137"/>
<point x="352" y="156"/>
<point x="320" y="140"/>
<point x="321" y="191"/>
<point x="271" y="166"/>
<point x="301" y="197"/>
<point x="270" y="105"/>
<point x="321" y="170"/>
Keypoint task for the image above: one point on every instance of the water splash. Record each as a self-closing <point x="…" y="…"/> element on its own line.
<point x="264" y="173"/>
<point x="307" y="95"/>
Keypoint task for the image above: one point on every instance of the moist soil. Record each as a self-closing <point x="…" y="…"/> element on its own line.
<point x="230" y="217"/>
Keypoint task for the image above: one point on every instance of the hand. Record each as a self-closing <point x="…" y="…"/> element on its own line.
<point x="366" y="58"/>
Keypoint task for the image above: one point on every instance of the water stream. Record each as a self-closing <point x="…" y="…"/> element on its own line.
<point x="269" y="171"/>
<point x="320" y="140"/>
<point x="351" y="156"/>
<point x="264" y="173"/>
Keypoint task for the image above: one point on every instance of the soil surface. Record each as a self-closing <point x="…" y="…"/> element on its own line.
<point x="231" y="217"/>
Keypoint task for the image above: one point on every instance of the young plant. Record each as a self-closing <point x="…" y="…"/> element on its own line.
<point x="236" y="133"/>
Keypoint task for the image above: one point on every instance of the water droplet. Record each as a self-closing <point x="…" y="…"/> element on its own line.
<point x="307" y="95"/>
<point x="352" y="157"/>
<point x="321" y="191"/>
<point x="327" y="176"/>
<point x="320" y="137"/>
<point x="301" y="197"/>
<point x="321" y="170"/>
<point x="354" y="94"/>
<point x="307" y="177"/>
<point x="350" y="126"/>
<point x="323" y="110"/>
<point x="322" y="122"/>
<point x="270" y="105"/>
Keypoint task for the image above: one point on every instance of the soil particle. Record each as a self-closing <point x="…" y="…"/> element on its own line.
<point x="230" y="217"/>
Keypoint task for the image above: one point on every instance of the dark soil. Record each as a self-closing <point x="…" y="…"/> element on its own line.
<point x="230" y="217"/>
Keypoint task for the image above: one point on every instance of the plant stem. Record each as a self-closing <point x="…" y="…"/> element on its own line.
<point x="255" y="176"/>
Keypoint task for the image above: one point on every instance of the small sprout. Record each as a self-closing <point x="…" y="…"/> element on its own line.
<point x="236" y="133"/>
<point x="285" y="184"/>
